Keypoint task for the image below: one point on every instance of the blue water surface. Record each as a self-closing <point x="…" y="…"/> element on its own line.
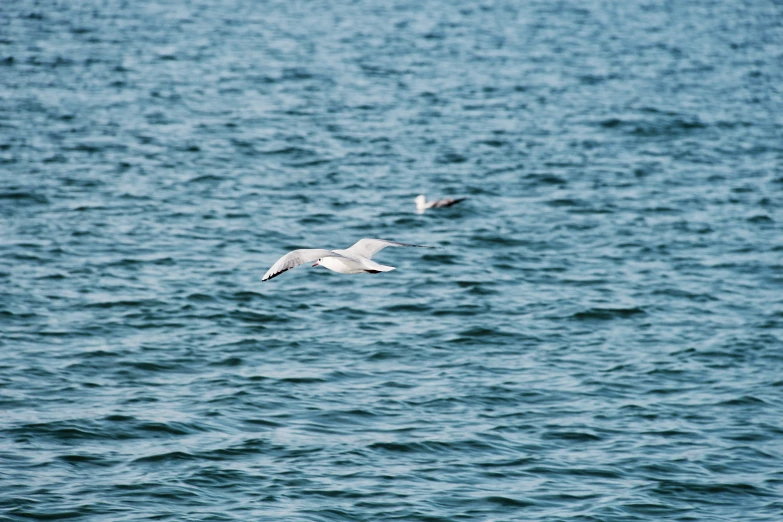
<point x="598" y="335"/>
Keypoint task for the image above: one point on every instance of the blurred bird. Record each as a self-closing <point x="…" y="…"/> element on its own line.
<point x="353" y="260"/>
<point x="422" y="204"/>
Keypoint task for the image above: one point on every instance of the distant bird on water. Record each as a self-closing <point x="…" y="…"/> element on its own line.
<point x="422" y="204"/>
<point x="353" y="260"/>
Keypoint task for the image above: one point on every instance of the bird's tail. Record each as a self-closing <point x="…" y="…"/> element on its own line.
<point x="369" y="264"/>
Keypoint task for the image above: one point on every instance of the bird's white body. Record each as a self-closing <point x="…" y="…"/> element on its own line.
<point x="353" y="260"/>
<point x="355" y="264"/>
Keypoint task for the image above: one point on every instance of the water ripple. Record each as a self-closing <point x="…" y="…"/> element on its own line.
<point x="596" y="336"/>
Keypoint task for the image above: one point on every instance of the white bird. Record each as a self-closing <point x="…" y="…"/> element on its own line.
<point x="353" y="260"/>
<point x="422" y="204"/>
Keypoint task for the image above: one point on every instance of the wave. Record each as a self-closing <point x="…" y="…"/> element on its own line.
<point x="607" y="314"/>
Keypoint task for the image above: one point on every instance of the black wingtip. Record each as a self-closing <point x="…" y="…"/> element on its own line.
<point x="275" y="275"/>
<point x="417" y="246"/>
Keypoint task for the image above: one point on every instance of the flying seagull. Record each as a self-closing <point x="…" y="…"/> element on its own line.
<point x="422" y="204"/>
<point x="353" y="260"/>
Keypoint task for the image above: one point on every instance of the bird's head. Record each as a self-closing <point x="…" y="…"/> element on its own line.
<point x="317" y="263"/>
<point x="421" y="202"/>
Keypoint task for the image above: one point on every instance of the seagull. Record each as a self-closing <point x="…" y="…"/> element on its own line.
<point x="422" y="204"/>
<point x="353" y="260"/>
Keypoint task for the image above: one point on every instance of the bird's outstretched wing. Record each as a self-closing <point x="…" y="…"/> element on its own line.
<point x="447" y="202"/>
<point x="295" y="258"/>
<point x="369" y="247"/>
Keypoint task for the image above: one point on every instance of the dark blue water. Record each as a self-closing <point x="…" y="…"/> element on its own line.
<point x="597" y="337"/>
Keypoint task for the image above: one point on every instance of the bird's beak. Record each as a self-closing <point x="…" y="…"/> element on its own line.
<point x="316" y="263"/>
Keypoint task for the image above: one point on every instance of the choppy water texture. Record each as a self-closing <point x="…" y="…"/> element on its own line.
<point x="598" y="337"/>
